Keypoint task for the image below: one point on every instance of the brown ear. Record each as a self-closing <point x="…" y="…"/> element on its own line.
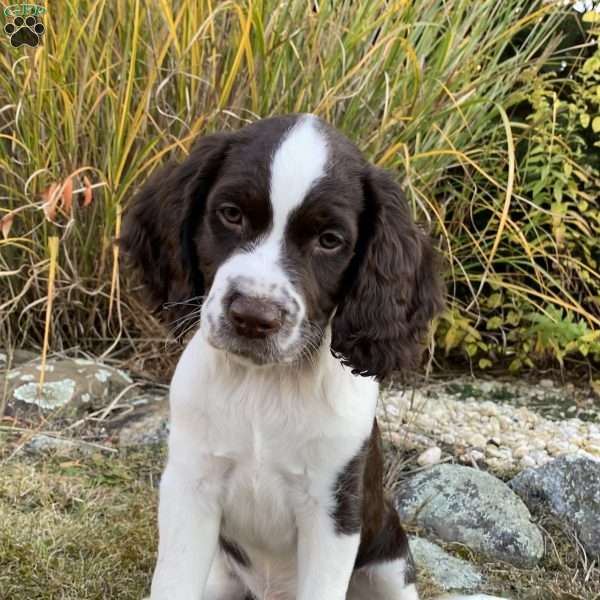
<point x="159" y="225"/>
<point x="394" y="286"/>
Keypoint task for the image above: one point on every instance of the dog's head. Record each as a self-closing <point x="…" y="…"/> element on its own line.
<point x="280" y="230"/>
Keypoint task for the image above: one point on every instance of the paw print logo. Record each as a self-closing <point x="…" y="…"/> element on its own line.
<point x="24" y="31"/>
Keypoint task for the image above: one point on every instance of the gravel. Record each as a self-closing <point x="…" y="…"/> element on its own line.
<point x="504" y="435"/>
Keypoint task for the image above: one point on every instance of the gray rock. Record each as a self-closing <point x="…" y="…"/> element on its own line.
<point x="446" y="571"/>
<point x="73" y="382"/>
<point x="148" y="428"/>
<point x="569" y="487"/>
<point x="42" y="443"/>
<point x="460" y="504"/>
<point x="16" y="357"/>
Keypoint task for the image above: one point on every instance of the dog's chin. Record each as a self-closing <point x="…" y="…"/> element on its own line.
<point x="253" y="353"/>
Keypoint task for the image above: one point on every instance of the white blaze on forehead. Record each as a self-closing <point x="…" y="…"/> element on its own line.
<point x="297" y="165"/>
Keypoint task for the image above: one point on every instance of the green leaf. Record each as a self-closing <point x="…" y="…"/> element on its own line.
<point x="558" y="192"/>
<point x="494" y="323"/>
<point x="515" y="365"/>
<point x="582" y="206"/>
<point x="596" y="124"/>
<point x="471" y="349"/>
<point x="494" y="300"/>
<point x="584" y="119"/>
<point x="512" y="318"/>
<point x="453" y="338"/>
<point x="591" y="17"/>
<point x="485" y="363"/>
<point x="567" y="168"/>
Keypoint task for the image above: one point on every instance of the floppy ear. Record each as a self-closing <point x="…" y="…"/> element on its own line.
<point x="394" y="288"/>
<point x="159" y="226"/>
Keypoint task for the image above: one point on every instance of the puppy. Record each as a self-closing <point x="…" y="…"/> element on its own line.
<point x="308" y="282"/>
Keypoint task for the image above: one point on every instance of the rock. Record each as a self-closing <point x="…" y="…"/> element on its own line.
<point x="44" y="443"/>
<point x="148" y="428"/>
<point x="465" y="505"/>
<point x="477" y="440"/>
<point x="17" y="357"/>
<point x="521" y="452"/>
<point x="473" y="456"/>
<point x="527" y="462"/>
<point x="73" y="382"/>
<point x="569" y="487"/>
<point x="446" y="571"/>
<point x="557" y="447"/>
<point x="431" y="456"/>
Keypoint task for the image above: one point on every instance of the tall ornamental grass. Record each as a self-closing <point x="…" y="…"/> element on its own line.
<point x="450" y="95"/>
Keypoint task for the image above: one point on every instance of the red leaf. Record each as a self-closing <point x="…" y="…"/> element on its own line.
<point x="87" y="194"/>
<point x="67" y="196"/>
<point x="6" y="223"/>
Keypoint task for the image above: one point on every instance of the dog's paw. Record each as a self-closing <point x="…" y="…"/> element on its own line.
<point x="24" y="31"/>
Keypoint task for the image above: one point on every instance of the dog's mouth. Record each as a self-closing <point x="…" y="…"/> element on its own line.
<point x="282" y="348"/>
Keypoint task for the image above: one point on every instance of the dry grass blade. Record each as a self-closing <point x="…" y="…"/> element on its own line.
<point x="52" y="264"/>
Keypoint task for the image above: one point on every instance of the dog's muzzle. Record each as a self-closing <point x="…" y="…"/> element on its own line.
<point x="254" y="317"/>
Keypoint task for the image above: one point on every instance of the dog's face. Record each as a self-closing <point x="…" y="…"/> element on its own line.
<point x="279" y="230"/>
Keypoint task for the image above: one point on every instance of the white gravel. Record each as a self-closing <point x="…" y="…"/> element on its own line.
<point x="502" y="435"/>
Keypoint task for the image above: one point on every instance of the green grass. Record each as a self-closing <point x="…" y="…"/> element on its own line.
<point x="432" y="90"/>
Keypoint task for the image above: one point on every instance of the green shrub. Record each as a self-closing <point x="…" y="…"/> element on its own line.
<point x="438" y="92"/>
<point x="542" y="301"/>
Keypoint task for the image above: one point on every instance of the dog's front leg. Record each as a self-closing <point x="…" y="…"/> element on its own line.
<point x="325" y="556"/>
<point x="189" y="521"/>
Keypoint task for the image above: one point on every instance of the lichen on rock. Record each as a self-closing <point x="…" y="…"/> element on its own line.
<point x="472" y="507"/>
<point x="568" y="487"/>
<point x="52" y="394"/>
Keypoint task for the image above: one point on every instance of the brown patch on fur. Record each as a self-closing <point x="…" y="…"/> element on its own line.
<point x="348" y="493"/>
<point x="394" y="286"/>
<point x="361" y="505"/>
<point x="159" y="225"/>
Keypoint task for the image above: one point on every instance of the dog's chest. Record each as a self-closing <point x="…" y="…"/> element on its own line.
<point x="268" y="476"/>
<point x="268" y="481"/>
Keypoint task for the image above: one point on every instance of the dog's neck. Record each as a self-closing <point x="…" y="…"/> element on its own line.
<point x="317" y="385"/>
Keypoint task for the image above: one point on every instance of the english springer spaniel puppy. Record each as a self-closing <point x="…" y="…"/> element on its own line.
<point x="309" y="282"/>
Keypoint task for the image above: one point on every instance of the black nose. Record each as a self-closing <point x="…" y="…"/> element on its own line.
<point x="255" y="317"/>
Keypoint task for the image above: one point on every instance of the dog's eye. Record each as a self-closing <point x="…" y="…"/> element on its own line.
<point x="231" y="215"/>
<point x="330" y="240"/>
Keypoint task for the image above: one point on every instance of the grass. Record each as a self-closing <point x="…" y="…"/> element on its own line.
<point x="84" y="528"/>
<point x="78" y="529"/>
<point x="431" y="90"/>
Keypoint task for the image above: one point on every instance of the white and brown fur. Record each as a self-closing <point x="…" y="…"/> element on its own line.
<point x="309" y="282"/>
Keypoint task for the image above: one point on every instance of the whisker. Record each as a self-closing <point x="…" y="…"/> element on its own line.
<point x="188" y="301"/>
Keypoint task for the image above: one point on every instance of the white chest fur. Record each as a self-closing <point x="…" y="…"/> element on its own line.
<point x="272" y="440"/>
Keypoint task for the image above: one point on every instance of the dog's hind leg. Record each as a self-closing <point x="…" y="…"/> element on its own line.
<point x="475" y="597"/>
<point x="389" y="580"/>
